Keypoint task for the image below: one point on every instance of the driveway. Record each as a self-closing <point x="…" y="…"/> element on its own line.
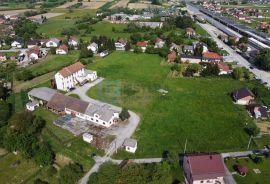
<point x="126" y="132"/>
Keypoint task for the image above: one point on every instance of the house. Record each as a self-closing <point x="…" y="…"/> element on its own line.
<point x="33" y="43"/>
<point x="243" y="96"/>
<point x="242" y="170"/>
<point x="188" y="49"/>
<point x="211" y="57"/>
<point x="31" y="106"/>
<point x="3" y="57"/>
<point x="102" y="115"/>
<point x="54" y="42"/>
<point x="130" y="145"/>
<point x="159" y="43"/>
<point x="120" y="44"/>
<point x="18" y="43"/>
<point x="224" y="69"/>
<point x="143" y="45"/>
<point x="204" y="168"/>
<point x="104" y="53"/>
<point x="200" y="44"/>
<point x="73" y="42"/>
<point x="87" y="137"/>
<point x="152" y="25"/>
<point x="70" y="76"/>
<point x="62" y="50"/>
<point x="258" y="111"/>
<point x="190" y="59"/>
<point x="93" y="47"/>
<point x="171" y="57"/>
<point x="190" y="31"/>
<point x="118" y="18"/>
<point x="34" y="53"/>
<point x="176" y="47"/>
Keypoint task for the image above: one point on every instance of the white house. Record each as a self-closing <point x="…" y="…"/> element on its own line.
<point x="159" y="43"/>
<point x="120" y="44"/>
<point x="18" y="43"/>
<point x="87" y="137"/>
<point x="104" y="53"/>
<point x="143" y="45"/>
<point x="73" y="42"/>
<point x="70" y="76"/>
<point x="204" y="168"/>
<point x="130" y="145"/>
<point x="31" y="106"/>
<point x="54" y="42"/>
<point x="34" y="53"/>
<point x="3" y="57"/>
<point x="62" y="50"/>
<point x="93" y="47"/>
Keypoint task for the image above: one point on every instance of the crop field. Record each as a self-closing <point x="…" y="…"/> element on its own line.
<point x="207" y="119"/>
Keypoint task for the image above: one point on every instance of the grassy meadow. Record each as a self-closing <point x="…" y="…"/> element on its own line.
<point x="197" y="109"/>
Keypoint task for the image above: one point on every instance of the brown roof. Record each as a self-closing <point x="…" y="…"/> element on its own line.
<point x="206" y="166"/>
<point x="142" y="44"/>
<point x="223" y="66"/>
<point x="63" y="47"/>
<point x="67" y="71"/>
<point x="172" y="55"/>
<point x="189" y="29"/>
<point x="158" y="40"/>
<point x="211" y="55"/>
<point x="34" y="50"/>
<point x="121" y="40"/>
<point x="59" y="102"/>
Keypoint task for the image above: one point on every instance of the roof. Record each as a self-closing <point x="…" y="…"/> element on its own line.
<point x="63" y="47"/>
<point x="142" y="44"/>
<point x="34" y="50"/>
<point x="258" y="109"/>
<point x="59" y="102"/>
<point x="211" y="55"/>
<point x="121" y="40"/>
<point x="56" y="40"/>
<point x="242" y="169"/>
<point x="130" y="142"/>
<point x="20" y="40"/>
<point x="242" y="93"/>
<point x="189" y="29"/>
<point x="223" y="66"/>
<point x="190" y="56"/>
<point x="42" y="93"/>
<point x="206" y="166"/>
<point x="104" y="111"/>
<point x="67" y="71"/>
<point x="32" y="103"/>
<point x="188" y="47"/>
<point x="158" y="40"/>
<point x="172" y="55"/>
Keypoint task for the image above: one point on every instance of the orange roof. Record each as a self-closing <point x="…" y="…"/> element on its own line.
<point x="172" y="55"/>
<point x="211" y="55"/>
<point x="63" y="47"/>
<point x="223" y="66"/>
<point x="67" y="71"/>
<point x="142" y="44"/>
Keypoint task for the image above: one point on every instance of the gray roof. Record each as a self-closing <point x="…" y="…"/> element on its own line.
<point x="188" y="47"/>
<point x="42" y="93"/>
<point x="33" y="103"/>
<point x="150" y="24"/>
<point x="104" y="111"/>
<point x="130" y="142"/>
<point x="56" y="40"/>
<point x="89" y="71"/>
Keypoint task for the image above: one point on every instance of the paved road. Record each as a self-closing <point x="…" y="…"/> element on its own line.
<point x="127" y="132"/>
<point x="260" y="74"/>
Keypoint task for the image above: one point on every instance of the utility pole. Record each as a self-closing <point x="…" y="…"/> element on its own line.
<point x="249" y="142"/>
<point x="185" y="147"/>
<point x="115" y="147"/>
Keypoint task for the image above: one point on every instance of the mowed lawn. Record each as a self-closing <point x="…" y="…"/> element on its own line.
<point x="251" y="177"/>
<point x="197" y="109"/>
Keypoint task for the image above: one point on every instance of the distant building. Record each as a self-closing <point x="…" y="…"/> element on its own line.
<point x="62" y="50"/>
<point x="93" y="47"/>
<point x="120" y="44"/>
<point x="73" y="42"/>
<point x="224" y="69"/>
<point x="143" y="45"/>
<point x="171" y="57"/>
<point x="190" y="59"/>
<point x="159" y="43"/>
<point x="87" y="137"/>
<point x="152" y="25"/>
<point x="54" y="42"/>
<point x="204" y="168"/>
<point x="211" y="57"/>
<point x="18" y="43"/>
<point x="190" y="31"/>
<point x="258" y="111"/>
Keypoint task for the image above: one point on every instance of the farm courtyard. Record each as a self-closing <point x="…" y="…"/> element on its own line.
<point x="197" y="109"/>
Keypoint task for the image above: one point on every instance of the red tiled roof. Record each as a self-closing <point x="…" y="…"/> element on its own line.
<point x="67" y="71"/>
<point x="223" y="66"/>
<point x="63" y="47"/>
<point x="171" y="56"/>
<point x="34" y="50"/>
<point x="211" y="55"/>
<point x="206" y="166"/>
<point x="142" y="44"/>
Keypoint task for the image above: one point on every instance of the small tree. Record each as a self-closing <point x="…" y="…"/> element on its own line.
<point x="138" y="50"/>
<point x="53" y="50"/>
<point x="124" y="114"/>
<point x="238" y="73"/>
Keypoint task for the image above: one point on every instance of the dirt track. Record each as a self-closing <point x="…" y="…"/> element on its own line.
<point x="120" y="4"/>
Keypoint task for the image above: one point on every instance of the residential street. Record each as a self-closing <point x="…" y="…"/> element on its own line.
<point x="260" y="74"/>
<point x="128" y="131"/>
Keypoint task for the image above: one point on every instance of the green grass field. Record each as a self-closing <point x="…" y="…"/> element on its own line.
<point x="197" y="109"/>
<point x="54" y="63"/>
<point x="251" y="177"/>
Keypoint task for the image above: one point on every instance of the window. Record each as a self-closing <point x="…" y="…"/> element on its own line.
<point x="202" y="181"/>
<point x="96" y="120"/>
<point x="103" y="123"/>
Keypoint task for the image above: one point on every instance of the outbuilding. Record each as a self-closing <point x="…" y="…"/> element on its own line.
<point x="130" y="145"/>
<point x="87" y="137"/>
<point x="31" y="106"/>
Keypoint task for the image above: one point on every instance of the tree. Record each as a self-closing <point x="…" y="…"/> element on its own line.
<point x="39" y="181"/>
<point x="85" y="53"/>
<point x="156" y="2"/>
<point x="70" y="174"/>
<point x="138" y="50"/>
<point x="243" y="39"/>
<point x="124" y="114"/>
<point x="53" y="50"/>
<point x="263" y="59"/>
<point x="5" y="112"/>
<point x="3" y="92"/>
<point x="128" y="47"/>
<point x="198" y="50"/>
<point x="184" y="22"/>
<point x="135" y="38"/>
<point x="210" y="70"/>
<point x="238" y="73"/>
<point x="26" y="29"/>
<point x="43" y="154"/>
